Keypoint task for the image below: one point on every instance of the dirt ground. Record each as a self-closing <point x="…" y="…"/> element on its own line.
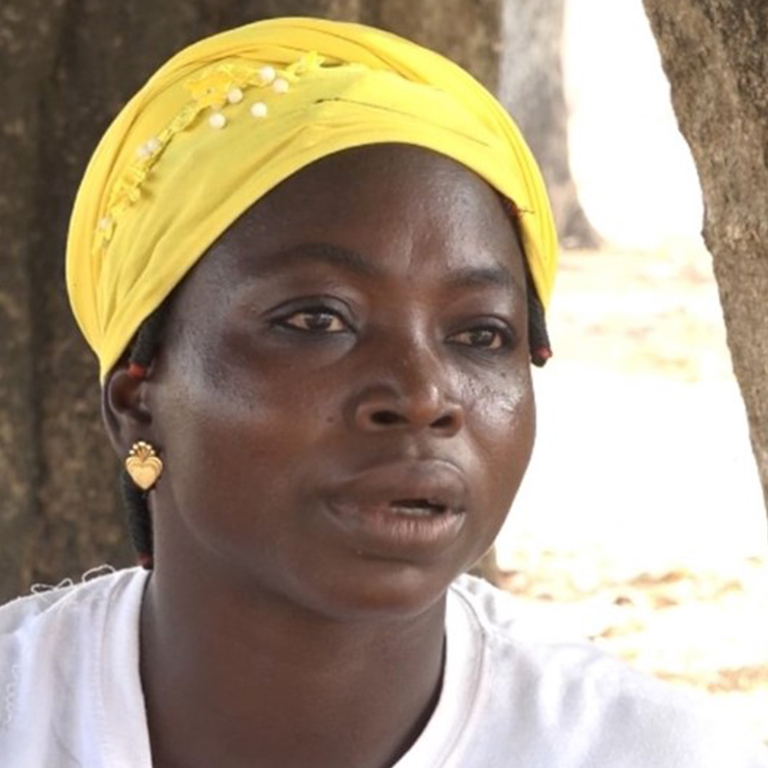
<point x="695" y="621"/>
<point x="644" y="313"/>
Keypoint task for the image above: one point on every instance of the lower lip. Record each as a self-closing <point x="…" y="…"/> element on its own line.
<point x="380" y="529"/>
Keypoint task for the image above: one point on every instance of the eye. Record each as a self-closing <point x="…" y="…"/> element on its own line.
<point x="314" y="320"/>
<point x="484" y="337"/>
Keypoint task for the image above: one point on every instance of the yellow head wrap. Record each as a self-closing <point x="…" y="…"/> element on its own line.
<point x="230" y="117"/>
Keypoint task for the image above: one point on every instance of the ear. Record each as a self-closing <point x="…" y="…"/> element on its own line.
<point x="125" y="410"/>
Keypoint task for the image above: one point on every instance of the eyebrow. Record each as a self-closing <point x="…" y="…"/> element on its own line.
<point x="471" y="277"/>
<point x="467" y="277"/>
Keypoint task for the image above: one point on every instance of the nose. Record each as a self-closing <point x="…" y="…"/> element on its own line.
<point x="411" y="396"/>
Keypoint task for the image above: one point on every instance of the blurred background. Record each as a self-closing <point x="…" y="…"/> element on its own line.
<point x="641" y="523"/>
<point x="639" y="410"/>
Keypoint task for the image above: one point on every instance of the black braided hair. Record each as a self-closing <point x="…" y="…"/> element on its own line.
<point x="145" y="346"/>
<point x="136" y="500"/>
<point x="538" y="336"/>
<point x="139" y="518"/>
<point x="148" y="337"/>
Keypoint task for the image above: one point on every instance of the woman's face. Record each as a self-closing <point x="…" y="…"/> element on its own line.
<point x="343" y="398"/>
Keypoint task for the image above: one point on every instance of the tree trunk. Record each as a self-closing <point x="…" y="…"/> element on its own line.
<point x="715" y="54"/>
<point x="67" y="66"/>
<point x="531" y="88"/>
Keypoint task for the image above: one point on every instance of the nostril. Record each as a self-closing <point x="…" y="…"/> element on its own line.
<point x="443" y="422"/>
<point x="386" y="418"/>
<point x="380" y="414"/>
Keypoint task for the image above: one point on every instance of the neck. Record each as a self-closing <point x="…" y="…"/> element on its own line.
<point x="278" y="684"/>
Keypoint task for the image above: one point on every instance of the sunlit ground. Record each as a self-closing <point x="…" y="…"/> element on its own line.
<point x="641" y="523"/>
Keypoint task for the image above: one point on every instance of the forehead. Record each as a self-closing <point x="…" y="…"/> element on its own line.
<point x="399" y="206"/>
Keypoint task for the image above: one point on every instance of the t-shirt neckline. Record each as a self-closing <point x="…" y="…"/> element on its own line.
<point x="123" y="717"/>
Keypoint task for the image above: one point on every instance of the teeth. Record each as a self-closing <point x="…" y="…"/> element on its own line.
<point x="414" y="511"/>
<point x="417" y="507"/>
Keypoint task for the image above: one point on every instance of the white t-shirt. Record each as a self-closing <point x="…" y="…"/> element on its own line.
<point x="71" y="697"/>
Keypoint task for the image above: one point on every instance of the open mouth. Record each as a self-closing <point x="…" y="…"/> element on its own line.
<point x="405" y="509"/>
<point x="418" y="507"/>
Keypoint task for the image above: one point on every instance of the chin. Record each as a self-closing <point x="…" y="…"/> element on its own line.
<point x="381" y="590"/>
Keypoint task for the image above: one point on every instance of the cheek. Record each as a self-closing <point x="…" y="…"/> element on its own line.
<point x="502" y="418"/>
<point x="258" y="401"/>
<point x="504" y="407"/>
<point x="230" y="442"/>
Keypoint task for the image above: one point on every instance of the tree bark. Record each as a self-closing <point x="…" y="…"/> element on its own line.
<point x="715" y="54"/>
<point x="531" y="87"/>
<point x="67" y="67"/>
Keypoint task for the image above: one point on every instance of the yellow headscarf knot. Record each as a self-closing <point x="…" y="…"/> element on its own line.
<point x="227" y="119"/>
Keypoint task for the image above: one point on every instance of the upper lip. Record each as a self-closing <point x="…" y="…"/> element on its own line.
<point x="434" y="481"/>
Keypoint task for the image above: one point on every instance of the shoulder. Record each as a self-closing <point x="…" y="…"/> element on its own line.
<point x="63" y="653"/>
<point x="49" y="605"/>
<point x="573" y="704"/>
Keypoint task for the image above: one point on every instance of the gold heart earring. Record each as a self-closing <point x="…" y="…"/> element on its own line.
<point x="143" y="465"/>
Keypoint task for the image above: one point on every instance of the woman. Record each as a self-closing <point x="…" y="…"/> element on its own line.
<point x="312" y="259"/>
